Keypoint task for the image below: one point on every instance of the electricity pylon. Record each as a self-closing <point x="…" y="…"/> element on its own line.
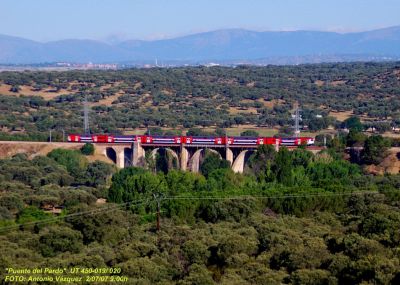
<point x="297" y="120"/>
<point x="86" y="116"/>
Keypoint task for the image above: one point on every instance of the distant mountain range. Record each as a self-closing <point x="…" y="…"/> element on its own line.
<point x="222" y="46"/>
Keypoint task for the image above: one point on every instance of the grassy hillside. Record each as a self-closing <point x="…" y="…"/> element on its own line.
<point x="177" y="98"/>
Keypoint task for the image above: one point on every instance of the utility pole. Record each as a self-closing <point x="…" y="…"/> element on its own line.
<point x="86" y="116"/>
<point x="63" y="132"/>
<point x="50" y="135"/>
<point x="157" y="198"/>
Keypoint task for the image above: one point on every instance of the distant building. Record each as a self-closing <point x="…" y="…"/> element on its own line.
<point x="211" y="64"/>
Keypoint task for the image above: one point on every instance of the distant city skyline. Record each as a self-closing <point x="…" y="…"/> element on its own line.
<point x="115" y="20"/>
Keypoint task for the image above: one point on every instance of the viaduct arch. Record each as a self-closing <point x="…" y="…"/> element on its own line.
<point x="169" y="151"/>
<point x="187" y="157"/>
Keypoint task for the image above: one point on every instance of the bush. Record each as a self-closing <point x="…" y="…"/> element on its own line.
<point x="87" y="149"/>
<point x="73" y="161"/>
<point x="353" y="123"/>
<point x="249" y="133"/>
<point x="375" y="148"/>
<point x="31" y="214"/>
<point x="57" y="240"/>
<point x="212" y="161"/>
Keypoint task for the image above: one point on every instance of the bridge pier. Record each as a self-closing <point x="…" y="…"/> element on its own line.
<point x="188" y="157"/>
<point x="120" y="157"/>
<point x="238" y="164"/>
<point x="229" y="155"/>
<point x="194" y="162"/>
<point x="184" y="157"/>
<point x="137" y="154"/>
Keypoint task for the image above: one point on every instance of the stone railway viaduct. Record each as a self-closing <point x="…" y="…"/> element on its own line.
<point x="188" y="157"/>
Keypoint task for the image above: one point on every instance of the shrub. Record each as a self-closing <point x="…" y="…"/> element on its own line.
<point x="87" y="149"/>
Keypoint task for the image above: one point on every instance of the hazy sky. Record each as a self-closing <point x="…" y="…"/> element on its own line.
<point x="45" y="20"/>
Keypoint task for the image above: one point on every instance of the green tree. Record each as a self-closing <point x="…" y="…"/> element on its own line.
<point x="261" y="163"/>
<point x="249" y="133"/>
<point x="57" y="240"/>
<point x="353" y="123"/>
<point x="212" y="161"/>
<point x="119" y="183"/>
<point x="219" y="132"/>
<point x="154" y="131"/>
<point x="283" y="167"/>
<point x="355" y="138"/>
<point x="98" y="173"/>
<point x="87" y="149"/>
<point x="31" y="214"/>
<point x="74" y="162"/>
<point x="301" y="157"/>
<point x="12" y="202"/>
<point x="312" y="277"/>
<point x="137" y="186"/>
<point x="375" y="149"/>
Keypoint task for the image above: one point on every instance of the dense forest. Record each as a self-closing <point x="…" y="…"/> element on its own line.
<point x="293" y="217"/>
<point x="33" y="102"/>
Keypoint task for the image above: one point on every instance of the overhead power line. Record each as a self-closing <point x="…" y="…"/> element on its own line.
<point x="77" y="214"/>
<point x="271" y="197"/>
<point x="161" y="198"/>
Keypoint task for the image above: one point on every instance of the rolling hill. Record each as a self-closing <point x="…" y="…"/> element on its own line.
<point x="231" y="45"/>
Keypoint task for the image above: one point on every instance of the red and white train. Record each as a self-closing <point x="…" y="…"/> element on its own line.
<point x="191" y="140"/>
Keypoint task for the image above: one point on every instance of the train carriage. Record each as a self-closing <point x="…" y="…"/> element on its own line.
<point x="124" y="139"/>
<point x="288" y="141"/>
<point x="245" y="141"/>
<point x="190" y="140"/>
<point x="86" y="139"/>
<point x="203" y="141"/>
<point x="102" y="139"/>
<point x="80" y="138"/>
<point x="297" y="141"/>
<point x="166" y="140"/>
<point x="74" y="138"/>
